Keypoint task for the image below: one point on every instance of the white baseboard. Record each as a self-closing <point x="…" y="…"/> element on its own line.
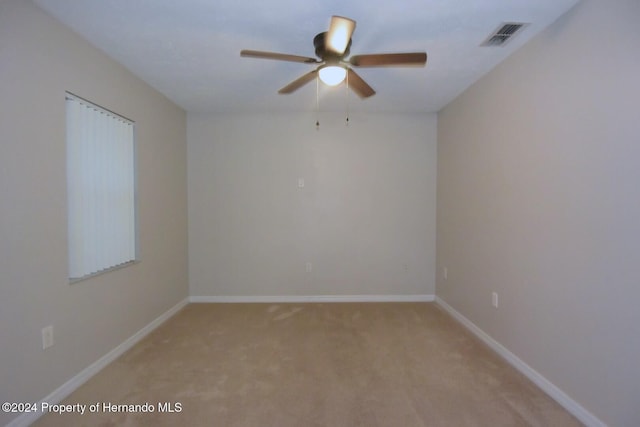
<point x="578" y="411"/>
<point x="311" y="298"/>
<point x="70" y="386"/>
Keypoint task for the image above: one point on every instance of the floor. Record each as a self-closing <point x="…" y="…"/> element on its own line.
<point x="340" y="364"/>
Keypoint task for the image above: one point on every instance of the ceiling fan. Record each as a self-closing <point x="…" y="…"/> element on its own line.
<point x="333" y="47"/>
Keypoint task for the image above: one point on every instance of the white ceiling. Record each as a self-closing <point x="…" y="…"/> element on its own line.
<point x="190" y="49"/>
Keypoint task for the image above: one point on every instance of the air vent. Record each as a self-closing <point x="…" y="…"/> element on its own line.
<point x="503" y="33"/>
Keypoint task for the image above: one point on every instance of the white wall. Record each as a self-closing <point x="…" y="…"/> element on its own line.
<point x="365" y="218"/>
<point x="538" y="200"/>
<point x="39" y="60"/>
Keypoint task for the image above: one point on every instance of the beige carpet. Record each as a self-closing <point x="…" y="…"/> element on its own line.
<point x="285" y="365"/>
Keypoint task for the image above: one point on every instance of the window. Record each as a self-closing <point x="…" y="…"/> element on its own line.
<point x="101" y="188"/>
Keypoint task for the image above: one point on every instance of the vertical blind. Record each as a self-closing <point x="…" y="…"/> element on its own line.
<point x="101" y="189"/>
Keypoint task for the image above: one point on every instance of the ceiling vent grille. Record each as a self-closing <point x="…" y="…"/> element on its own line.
<point x="503" y="33"/>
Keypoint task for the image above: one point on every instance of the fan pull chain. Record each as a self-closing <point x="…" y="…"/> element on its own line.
<point x="347" y="99"/>
<point x="317" y="101"/>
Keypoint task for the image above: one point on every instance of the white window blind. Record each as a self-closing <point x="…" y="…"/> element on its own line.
<point x="101" y="189"/>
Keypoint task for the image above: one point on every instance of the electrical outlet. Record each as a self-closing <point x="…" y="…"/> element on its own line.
<point x="494" y="299"/>
<point x="308" y="267"/>
<point x="47" y="337"/>
<point x="445" y="273"/>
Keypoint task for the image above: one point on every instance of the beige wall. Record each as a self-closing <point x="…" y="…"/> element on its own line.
<point x="538" y="200"/>
<point x="365" y="218"/>
<point x="39" y="61"/>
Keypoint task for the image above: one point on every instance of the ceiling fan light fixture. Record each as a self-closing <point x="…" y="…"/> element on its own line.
<point x="332" y="75"/>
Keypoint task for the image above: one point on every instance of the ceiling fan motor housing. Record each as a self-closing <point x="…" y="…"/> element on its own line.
<point x="327" y="55"/>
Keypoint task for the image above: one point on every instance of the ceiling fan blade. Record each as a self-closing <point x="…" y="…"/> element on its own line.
<point x="389" y="59"/>
<point x="298" y="83"/>
<point x="340" y="31"/>
<point x="358" y="85"/>
<point x="278" y="56"/>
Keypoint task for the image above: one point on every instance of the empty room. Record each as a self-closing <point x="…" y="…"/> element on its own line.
<point x="198" y="226"/>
